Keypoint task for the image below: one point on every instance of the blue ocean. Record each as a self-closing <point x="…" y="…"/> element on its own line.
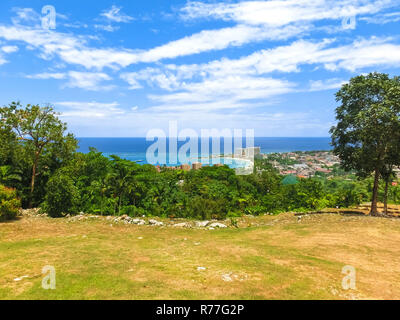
<point x="134" y="149"/>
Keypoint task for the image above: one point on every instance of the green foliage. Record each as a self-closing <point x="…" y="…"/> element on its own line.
<point x="40" y="161"/>
<point x="9" y="203"/>
<point x="367" y="135"/>
<point x="61" y="197"/>
<point x="38" y="134"/>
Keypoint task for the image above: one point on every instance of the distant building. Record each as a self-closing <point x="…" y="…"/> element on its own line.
<point x="196" y="166"/>
<point x="185" y="167"/>
<point x="247" y="152"/>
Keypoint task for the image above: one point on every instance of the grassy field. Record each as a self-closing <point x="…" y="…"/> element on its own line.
<point x="281" y="257"/>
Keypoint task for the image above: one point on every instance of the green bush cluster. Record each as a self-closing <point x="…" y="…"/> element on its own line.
<point x="9" y="203"/>
<point x="96" y="184"/>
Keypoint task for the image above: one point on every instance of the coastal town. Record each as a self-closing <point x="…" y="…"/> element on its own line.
<point x="305" y="164"/>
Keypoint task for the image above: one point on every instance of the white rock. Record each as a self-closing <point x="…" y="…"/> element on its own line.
<point x="202" y="224"/>
<point x="140" y="238"/>
<point x="182" y="225"/>
<point x="21" y="278"/>
<point x="155" y="222"/>
<point x="201" y="268"/>
<point x="217" y="225"/>
<point x="138" y="222"/>
<point x="227" y="277"/>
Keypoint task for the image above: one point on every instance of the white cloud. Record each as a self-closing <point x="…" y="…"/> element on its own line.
<point x="47" y="75"/>
<point x="70" y="49"/>
<point x="256" y="21"/>
<point x="209" y="40"/>
<point x="79" y="109"/>
<point x="26" y="16"/>
<point x="282" y="12"/>
<point x="233" y="88"/>
<point x="383" y="18"/>
<point x="364" y="53"/>
<point x="329" y="84"/>
<point x="88" y="80"/>
<point x="9" y="49"/>
<point x="114" y="14"/>
<point x="242" y="83"/>
<point x="108" y="27"/>
<point x="84" y="80"/>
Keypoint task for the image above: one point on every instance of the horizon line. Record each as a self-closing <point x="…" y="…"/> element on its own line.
<point x="97" y="137"/>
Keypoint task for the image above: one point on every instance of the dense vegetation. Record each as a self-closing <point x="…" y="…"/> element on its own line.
<point x="367" y="134"/>
<point x="40" y="166"/>
<point x="9" y="203"/>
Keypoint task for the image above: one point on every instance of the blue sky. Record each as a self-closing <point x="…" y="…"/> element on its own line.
<point x="121" y="68"/>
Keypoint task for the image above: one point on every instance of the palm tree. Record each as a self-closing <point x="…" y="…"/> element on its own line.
<point x="8" y="176"/>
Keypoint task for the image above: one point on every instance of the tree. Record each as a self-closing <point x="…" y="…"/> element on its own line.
<point x="122" y="178"/>
<point x="368" y="126"/>
<point x="62" y="195"/>
<point x="40" y="132"/>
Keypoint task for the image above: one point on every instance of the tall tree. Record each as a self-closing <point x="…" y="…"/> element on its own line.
<point x="368" y="126"/>
<point x="39" y="130"/>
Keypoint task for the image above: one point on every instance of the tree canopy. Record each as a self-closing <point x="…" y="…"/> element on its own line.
<point x="367" y="134"/>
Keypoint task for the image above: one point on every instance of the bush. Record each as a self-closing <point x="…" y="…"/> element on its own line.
<point x="61" y="196"/>
<point x="9" y="203"/>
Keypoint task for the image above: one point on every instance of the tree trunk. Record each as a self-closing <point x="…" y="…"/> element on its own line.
<point x="374" y="204"/>
<point x="119" y="204"/>
<point x="386" y="197"/>
<point x="35" y="163"/>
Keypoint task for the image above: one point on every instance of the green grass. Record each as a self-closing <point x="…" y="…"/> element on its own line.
<point x="286" y="260"/>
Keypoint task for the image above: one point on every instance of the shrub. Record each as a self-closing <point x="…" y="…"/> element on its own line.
<point x="9" y="203"/>
<point x="61" y="196"/>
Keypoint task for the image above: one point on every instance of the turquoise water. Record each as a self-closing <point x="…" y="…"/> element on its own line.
<point x="134" y="149"/>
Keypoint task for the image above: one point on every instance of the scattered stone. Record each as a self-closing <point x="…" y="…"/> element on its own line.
<point x="227" y="277"/>
<point x="202" y="224"/>
<point x="139" y="222"/>
<point x="154" y="222"/>
<point x="197" y="243"/>
<point x="182" y="225"/>
<point x="21" y="278"/>
<point x="217" y="225"/>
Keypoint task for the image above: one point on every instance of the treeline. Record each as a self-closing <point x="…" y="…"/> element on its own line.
<point x="40" y="161"/>
<point x="40" y="167"/>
